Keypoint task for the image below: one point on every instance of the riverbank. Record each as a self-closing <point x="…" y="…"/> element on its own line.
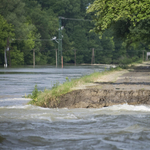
<point x="101" y="90"/>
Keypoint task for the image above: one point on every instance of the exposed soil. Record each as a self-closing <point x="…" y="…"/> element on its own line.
<point x="127" y="86"/>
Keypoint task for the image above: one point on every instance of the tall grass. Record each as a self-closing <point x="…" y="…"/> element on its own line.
<point x="45" y="97"/>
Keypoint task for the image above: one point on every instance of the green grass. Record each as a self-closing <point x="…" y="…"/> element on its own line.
<point x="44" y="98"/>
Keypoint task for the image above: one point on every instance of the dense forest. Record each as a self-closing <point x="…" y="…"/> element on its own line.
<point x="28" y="26"/>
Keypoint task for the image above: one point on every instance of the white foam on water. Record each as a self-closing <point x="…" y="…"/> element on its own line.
<point x="126" y="107"/>
<point x="25" y="107"/>
<point x="56" y="114"/>
<point x="116" y="110"/>
<point x="68" y="116"/>
<point x="15" y="99"/>
<point x="18" y="107"/>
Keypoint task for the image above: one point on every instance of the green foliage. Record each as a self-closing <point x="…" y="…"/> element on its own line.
<point x="13" y="11"/>
<point x="32" y="25"/>
<point x="67" y="79"/>
<point x="6" y="30"/>
<point x="35" y="93"/>
<point x="110" y="11"/>
<point x="17" y="57"/>
<point x="55" y="85"/>
<point x="129" y="21"/>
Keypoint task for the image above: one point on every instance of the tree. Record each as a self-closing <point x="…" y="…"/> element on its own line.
<point x="14" y="13"/>
<point x="6" y="31"/>
<point x="46" y="24"/>
<point x="129" y="20"/>
<point x="108" y="12"/>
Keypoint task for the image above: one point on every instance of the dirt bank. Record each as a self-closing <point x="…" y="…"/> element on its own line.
<point x="127" y="86"/>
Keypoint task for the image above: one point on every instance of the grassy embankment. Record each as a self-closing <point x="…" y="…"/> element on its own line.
<point x="40" y="98"/>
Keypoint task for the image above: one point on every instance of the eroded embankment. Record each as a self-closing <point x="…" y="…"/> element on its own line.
<point x="131" y="87"/>
<point x="96" y="98"/>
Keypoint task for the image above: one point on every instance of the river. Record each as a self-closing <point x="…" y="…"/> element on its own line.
<point x="22" y="126"/>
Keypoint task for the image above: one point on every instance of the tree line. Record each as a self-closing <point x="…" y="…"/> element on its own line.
<point x="31" y="25"/>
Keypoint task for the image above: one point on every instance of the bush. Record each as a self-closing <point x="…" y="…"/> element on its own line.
<point x="34" y="93"/>
<point x="17" y="57"/>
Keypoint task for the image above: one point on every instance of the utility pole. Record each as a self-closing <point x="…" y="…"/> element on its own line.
<point x="9" y="59"/>
<point x="56" y="57"/>
<point x="59" y="42"/>
<point x="33" y="57"/>
<point x="143" y="55"/>
<point x="92" y="60"/>
<point x="75" y="57"/>
<point x="62" y="65"/>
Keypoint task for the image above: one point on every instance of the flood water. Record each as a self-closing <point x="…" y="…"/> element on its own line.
<point x="28" y="127"/>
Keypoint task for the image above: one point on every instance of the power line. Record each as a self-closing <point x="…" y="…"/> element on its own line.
<point x="99" y="50"/>
<point x="32" y="39"/>
<point x="75" y="19"/>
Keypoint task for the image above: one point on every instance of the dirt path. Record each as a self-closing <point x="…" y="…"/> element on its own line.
<point x="137" y="78"/>
<point x="103" y="82"/>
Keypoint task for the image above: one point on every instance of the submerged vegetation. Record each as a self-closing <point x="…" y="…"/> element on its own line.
<point x="1" y="139"/>
<point x="40" y="98"/>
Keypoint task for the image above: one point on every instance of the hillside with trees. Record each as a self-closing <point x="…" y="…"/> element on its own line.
<point x="121" y="31"/>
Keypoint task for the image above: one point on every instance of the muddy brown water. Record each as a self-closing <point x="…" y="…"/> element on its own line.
<point x="29" y="127"/>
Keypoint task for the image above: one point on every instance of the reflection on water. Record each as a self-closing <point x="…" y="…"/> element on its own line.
<point x="22" y="126"/>
<point x="16" y="82"/>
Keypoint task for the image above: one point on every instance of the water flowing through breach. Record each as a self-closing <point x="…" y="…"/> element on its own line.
<point x="30" y="127"/>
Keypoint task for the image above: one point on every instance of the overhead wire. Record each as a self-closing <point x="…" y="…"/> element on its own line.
<point x="75" y="19"/>
<point x="32" y="39"/>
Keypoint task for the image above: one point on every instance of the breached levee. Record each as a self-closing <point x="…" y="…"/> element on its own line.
<point x="99" y="90"/>
<point x="97" y="98"/>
